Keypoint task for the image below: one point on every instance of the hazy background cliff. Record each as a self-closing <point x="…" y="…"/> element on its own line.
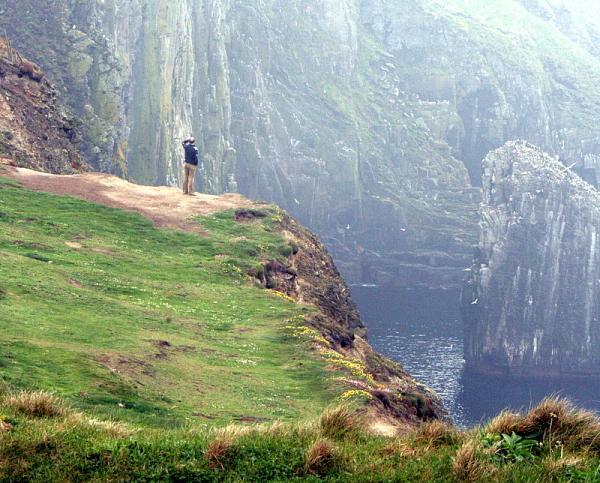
<point x="367" y="119"/>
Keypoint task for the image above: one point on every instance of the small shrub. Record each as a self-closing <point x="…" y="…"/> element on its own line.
<point x="515" y="448"/>
<point x="249" y="214"/>
<point x="36" y="404"/>
<point x="321" y="458"/>
<point x="38" y="257"/>
<point x="340" y="422"/>
<point x="286" y="250"/>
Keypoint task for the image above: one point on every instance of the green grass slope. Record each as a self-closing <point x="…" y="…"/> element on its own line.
<point x="151" y="326"/>
<point x="155" y="341"/>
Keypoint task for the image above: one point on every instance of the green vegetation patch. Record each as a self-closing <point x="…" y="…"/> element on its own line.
<point x="42" y="439"/>
<point x="146" y="325"/>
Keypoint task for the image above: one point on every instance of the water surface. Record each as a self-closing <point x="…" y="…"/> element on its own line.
<point x="422" y="329"/>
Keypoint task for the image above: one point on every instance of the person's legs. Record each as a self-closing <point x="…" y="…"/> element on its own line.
<point x="191" y="178"/>
<point x="186" y="176"/>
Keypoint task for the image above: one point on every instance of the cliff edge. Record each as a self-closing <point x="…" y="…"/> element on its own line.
<point x="261" y="247"/>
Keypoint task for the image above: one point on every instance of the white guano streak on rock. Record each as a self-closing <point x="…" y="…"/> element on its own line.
<point x="590" y="286"/>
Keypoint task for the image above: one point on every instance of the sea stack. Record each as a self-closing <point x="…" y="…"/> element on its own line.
<point x="531" y="298"/>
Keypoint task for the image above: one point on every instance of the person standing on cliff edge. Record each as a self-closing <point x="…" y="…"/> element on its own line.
<point x="190" y="166"/>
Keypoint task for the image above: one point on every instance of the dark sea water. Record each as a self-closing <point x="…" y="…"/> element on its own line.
<point x="422" y="329"/>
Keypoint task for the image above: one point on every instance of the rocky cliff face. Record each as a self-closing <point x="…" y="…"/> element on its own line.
<point x="508" y="70"/>
<point x="364" y="119"/>
<point x="531" y="298"/>
<point x="35" y="131"/>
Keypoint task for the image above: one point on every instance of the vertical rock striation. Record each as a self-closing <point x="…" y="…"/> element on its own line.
<point x="292" y="102"/>
<point x="367" y="120"/>
<point x="531" y="299"/>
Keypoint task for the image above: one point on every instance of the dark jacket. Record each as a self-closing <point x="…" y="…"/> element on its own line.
<point x="191" y="153"/>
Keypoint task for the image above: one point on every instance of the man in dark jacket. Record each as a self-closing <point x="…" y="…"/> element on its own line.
<point x="190" y="166"/>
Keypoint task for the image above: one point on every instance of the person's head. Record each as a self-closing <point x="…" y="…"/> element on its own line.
<point x="192" y="140"/>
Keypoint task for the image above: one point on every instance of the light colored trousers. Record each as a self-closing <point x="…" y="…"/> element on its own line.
<point x="189" y="173"/>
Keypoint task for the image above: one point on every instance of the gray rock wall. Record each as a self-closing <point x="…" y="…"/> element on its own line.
<point x="362" y="118"/>
<point x="532" y="298"/>
<point x="513" y="70"/>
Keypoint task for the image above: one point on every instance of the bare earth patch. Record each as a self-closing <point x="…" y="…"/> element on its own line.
<point x="129" y="366"/>
<point x="165" y="206"/>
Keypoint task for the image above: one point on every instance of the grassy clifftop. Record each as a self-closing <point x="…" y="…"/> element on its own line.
<point x="239" y="315"/>
<point x="43" y="440"/>
<point x="148" y="325"/>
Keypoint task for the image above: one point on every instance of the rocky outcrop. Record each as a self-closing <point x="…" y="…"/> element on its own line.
<point x="35" y="131"/>
<point x="365" y="120"/>
<point x="531" y="298"/>
<point x="395" y="395"/>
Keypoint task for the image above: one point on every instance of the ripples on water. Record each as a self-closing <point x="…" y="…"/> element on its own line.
<point x="423" y="330"/>
<point x="436" y="360"/>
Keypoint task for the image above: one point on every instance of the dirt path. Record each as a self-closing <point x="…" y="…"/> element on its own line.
<point x="165" y="206"/>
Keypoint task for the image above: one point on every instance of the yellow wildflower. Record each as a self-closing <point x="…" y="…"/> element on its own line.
<point x="356" y="393"/>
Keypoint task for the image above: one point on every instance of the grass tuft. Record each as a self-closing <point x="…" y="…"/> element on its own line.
<point x="341" y="422"/>
<point x="468" y="464"/>
<point x="112" y="429"/>
<point x="552" y="414"/>
<point x="5" y="426"/>
<point x="555" y="422"/>
<point x="220" y="450"/>
<point x="504" y="423"/>
<point x="36" y="404"/>
<point x="434" y="434"/>
<point x="555" y="469"/>
<point x="321" y="457"/>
